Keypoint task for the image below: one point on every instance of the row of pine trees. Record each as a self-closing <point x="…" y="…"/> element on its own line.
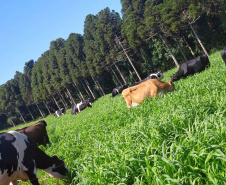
<point x="151" y="35"/>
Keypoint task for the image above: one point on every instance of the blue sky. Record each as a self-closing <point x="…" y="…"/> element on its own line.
<point x="27" y="28"/>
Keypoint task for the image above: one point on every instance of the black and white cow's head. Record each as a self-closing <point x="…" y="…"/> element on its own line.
<point x="158" y="75"/>
<point x="81" y="106"/>
<point x="181" y="73"/>
<point x="60" y="112"/>
<point x="117" y="90"/>
<point x="58" y="169"/>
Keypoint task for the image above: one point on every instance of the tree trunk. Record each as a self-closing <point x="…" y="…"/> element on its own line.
<point x="70" y="96"/>
<point x="124" y="80"/>
<point x="169" y="50"/>
<point x="39" y="110"/>
<point x="46" y="107"/>
<point x="79" y="91"/>
<point x="116" y="76"/>
<point x="86" y="89"/>
<point x="62" y="100"/>
<point x="197" y="37"/>
<point x="179" y="46"/>
<point x="55" y="102"/>
<point x="87" y="84"/>
<point x="99" y="87"/>
<point x="12" y="121"/>
<point x="30" y="114"/>
<point x="21" y="116"/>
<point x="186" y="42"/>
<point x="142" y="54"/>
<point x="128" y="58"/>
<point x="101" y="94"/>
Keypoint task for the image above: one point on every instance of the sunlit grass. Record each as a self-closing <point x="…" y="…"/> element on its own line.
<point x="177" y="138"/>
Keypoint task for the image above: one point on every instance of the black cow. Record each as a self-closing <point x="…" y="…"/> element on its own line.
<point x="81" y="106"/>
<point x="191" y="67"/>
<point x="60" y="112"/>
<point x="19" y="159"/>
<point x="223" y="55"/>
<point x="118" y="90"/>
<point x="157" y="75"/>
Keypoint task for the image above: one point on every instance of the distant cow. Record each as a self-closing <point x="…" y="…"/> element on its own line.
<point x="81" y="106"/>
<point x="36" y="133"/>
<point x="19" y="159"/>
<point x="118" y="90"/>
<point x="191" y="67"/>
<point x="157" y="75"/>
<point x="223" y="55"/>
<point x="60" y="112"/>
<point x="150" y="88"/>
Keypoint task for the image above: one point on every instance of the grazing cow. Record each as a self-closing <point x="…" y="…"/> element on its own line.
<point x="60" y="112"/>
<point x="81" y="106"/>
<point x="223" y="55"/>
<point x="118" y="90"/>
<point x="191" y="67"/>
<point x="36" y="133"/>
<point x="157" y="75"/>
<point x="150" y="88"/>
<point x="19" y="159"/>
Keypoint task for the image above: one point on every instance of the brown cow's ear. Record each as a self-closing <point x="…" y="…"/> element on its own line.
<point x="170" y="82"/>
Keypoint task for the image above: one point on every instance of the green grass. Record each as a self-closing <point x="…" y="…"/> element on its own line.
<point x="177" y="138"/>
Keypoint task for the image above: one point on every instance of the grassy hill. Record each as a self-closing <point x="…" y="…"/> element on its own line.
<point x="177" y="138"/>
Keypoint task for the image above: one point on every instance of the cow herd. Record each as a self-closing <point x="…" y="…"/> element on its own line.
<point x="153" y="86"/>
<point x="20" y="156"/>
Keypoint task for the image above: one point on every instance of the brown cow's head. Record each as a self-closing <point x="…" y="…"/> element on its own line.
<point x="171" y="86"/>
<point x="45" y="135"/>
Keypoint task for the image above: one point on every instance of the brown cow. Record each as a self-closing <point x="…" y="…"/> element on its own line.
<point x="150" y="88"/>
<point x="36" y="133"/>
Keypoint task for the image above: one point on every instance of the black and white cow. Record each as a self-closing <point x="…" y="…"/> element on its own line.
<point x="223" y="55"/>
<point x="19" y="159"/>
<point x="60" y="112"/>
<point x="157" y="75"/>
<point x="81" y="106"/>
<point x="191" y="67"/>
<point x="118" y="90"/>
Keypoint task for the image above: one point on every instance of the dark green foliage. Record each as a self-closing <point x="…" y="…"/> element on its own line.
<point x="28" y="68"/>
<point x="25" y="87"/>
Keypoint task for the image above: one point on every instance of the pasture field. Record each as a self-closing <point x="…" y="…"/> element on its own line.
<point x="177" y="138"/>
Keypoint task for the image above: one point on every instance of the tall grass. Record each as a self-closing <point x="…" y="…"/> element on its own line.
<point x="177" y="138"/>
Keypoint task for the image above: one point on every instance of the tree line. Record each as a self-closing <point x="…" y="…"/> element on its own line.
<point x="151" y="35"/>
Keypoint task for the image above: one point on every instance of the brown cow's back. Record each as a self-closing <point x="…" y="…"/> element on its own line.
<point x="149" y="88"/>
<point x="36" y="133"/>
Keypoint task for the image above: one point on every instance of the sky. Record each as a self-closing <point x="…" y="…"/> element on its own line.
<point x="27" y="28"/>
